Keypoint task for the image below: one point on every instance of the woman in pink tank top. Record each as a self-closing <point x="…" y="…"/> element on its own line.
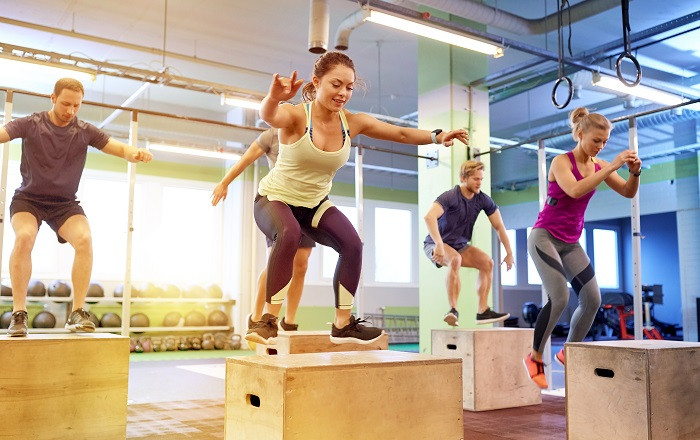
<point x="553" y="242"/>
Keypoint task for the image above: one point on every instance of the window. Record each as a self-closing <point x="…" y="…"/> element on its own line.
<point x="393" y="243"/>
<point x="330" y="256"/>
<point x="605" y="257"/>
<point x="533" y="277"/>
<point x="179" y="241"/>
<point x="509" y="277"/>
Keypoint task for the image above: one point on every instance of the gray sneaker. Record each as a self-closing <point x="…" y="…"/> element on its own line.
<point x="355" y="333"/>
<point x="79" y="321"/>
<point x="263" y="331"/>
<point x="18" y="324"/>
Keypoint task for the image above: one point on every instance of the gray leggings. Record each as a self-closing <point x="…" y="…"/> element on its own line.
<point x="558" y="262"/>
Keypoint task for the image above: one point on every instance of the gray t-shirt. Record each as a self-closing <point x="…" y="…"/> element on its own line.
<point x="456" y="224"/>
<point x="53" y="157"/>
<point x="270" y="144"/>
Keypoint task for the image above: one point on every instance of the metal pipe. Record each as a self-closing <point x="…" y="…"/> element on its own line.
<point x="3" y="178"/>
<point x="636" y="242"/>
<point x="131" y="180"/>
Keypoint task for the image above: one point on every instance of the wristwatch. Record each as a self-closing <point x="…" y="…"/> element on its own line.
<point x="637" y="174"/>
<point x="434" y="134"/>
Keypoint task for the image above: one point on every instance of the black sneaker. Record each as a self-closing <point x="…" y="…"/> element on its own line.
<point x="288" y="327"/>
<point x="79" y="321"/>
<point x="490" y="316"/>
<point x="452" y="317"/>
<point x="18" y="324"/>
<point x="355" y="333"/>
<point x="263" y="331"/>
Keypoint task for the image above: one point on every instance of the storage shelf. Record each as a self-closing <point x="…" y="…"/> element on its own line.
<point x="43" y="299"/>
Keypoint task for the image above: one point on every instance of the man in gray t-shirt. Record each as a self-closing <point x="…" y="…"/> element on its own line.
<point x="450" y="222"/>
<point x="268" y="144"/>
<point x="54" y="150"/>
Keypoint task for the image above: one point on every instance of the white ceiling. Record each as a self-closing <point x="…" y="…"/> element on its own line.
<point x="248" y="40"/>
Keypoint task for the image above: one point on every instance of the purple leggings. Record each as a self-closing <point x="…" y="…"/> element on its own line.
<point x="326" y="225"/>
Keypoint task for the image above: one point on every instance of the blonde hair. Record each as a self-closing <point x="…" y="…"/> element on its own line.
<point x="581" y="120"/>
<point x="323" y="65"/>
<point x="70" y="84"/>
<point x="469" y="167"/>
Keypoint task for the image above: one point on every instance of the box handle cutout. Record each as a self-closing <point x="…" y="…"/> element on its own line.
<point x="604" y="372"/>
<point x="452" y="346"/>
<point x="271" y="351"/>
<point x="252" y="399"/>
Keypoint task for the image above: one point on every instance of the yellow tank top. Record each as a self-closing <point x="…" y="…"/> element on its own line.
<point x="303" y="175"/>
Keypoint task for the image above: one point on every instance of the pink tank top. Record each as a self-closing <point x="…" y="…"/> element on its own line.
<point x="562" y="215"/>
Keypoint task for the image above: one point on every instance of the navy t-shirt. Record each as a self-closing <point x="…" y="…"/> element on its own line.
<point x="53" y="157"/>
<point x="456" y="224"/>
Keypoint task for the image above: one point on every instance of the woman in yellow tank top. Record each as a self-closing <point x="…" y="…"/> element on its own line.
<point x="314" y="143"/>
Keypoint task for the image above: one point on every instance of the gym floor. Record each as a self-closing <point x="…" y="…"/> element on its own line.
<point x="175" y="396"/>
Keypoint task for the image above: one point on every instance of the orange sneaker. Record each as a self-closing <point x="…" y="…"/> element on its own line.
<point x="559" y="357"/>
<point x="536" y="371"/>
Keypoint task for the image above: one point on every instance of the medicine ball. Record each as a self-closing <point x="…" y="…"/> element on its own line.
<point x="59" y="289"/>
<point x="6" y="290"/>
<point x="6" y="319"/>
<point x="195" y="319"/>
<point x="95" y="290"/>
<point x="139" y="320"/>
<point x="36" y="288"/>
<point x="194" y="291"/>
<point x="530" y="312"/>
<point x="217" y="318"/>
<point x="171" y="291"/>
<point x="214" y="291"/>
<point x="172" y="319"/>
<point x="110" y="320"/>
<point x="44" y="320"/>
<point x="119" y="291"/>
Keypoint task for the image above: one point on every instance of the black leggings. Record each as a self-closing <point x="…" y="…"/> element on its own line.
<point x="325" y="224"/>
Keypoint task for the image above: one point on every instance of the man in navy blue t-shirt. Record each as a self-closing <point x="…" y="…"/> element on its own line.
<point x="54" y="150"/>
<point x="450" y="223"/>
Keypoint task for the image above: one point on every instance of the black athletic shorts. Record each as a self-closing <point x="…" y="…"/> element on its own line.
<point x="53" y="212"/>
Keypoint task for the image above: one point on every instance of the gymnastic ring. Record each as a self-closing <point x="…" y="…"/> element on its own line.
<point x="618" y="65"/>
<point x="569" y="96"/>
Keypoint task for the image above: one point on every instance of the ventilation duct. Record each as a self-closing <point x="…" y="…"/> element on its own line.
<point x="319" y="19"/>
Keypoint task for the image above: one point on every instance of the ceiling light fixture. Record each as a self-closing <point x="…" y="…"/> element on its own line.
<point x="640" y="91"/>
<point x="432" y="32"/>
<point x="253" y="104"/>
<point x="28" y="69"/>
<point x="188" y="151"/>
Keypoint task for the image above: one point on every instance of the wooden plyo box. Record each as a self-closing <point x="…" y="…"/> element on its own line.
<point x="315" y="342"/>
<point x="493" y="374"/>
<point x="344" y="396"/>
<point x="64" y="386"/>
<point x="633" y="390"/>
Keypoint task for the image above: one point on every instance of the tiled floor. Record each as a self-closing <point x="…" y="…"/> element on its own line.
<point x="204" y="420"/>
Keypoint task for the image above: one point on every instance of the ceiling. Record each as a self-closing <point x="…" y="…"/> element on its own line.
<point x="241" y="43"/>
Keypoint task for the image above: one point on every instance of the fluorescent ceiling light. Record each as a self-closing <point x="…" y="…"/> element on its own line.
<point x="188" y="151"/>
<point x="434" y="33"/>
<point x="640" y="91"/>
<point x="27" y="69"/>
<point x="253" y="104"/>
